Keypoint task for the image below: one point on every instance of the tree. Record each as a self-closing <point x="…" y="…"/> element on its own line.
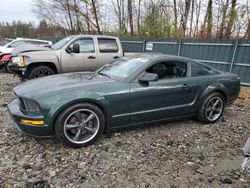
<point x="247" y="34"/>
<point x="157" y="18"/>
<point x="130" y="17"/>
<point x="138" y="16"/>
<point x="232" y="16"/>
<point x="191" y="19"/>
<point x="95" y="11"/>
<point x="206" y="30"/>
<point x="175" y="15"/>
<point x="197" y="14"/>
<point x="119" y="10"/>
<point x="223" y="19"/>
<point x="184" y="16"/>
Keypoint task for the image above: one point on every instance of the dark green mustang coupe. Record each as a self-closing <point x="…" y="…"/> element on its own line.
<point x="79" y="107"/>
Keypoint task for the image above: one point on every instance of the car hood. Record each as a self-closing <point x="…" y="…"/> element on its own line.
<point x="28" y="48"/>
<point x="61" y="83"/>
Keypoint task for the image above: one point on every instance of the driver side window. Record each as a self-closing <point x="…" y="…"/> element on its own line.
<point x="168" y="70"/>
<point x="86" y="45"/>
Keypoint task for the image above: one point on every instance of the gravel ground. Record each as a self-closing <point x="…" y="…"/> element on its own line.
<point x="179" y="154"/>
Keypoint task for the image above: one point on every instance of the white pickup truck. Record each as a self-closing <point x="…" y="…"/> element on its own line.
<point x="71" y="54"/>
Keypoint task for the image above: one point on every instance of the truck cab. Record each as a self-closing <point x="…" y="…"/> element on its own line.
<point x="74" y="53"/>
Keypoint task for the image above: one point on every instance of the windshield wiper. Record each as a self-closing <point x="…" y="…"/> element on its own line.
<point x="103" y="74"/>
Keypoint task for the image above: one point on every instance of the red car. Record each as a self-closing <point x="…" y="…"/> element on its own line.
<point x="4" y="60"/>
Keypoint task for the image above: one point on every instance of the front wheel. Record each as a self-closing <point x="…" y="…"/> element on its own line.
<point x="40" y="71"/>
<point x="80" y="125"/>
<point x="212" y="108"/>
<point x="6" y="67"/>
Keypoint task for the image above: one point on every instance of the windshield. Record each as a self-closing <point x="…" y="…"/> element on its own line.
<point x="122" y="68"/>
<point x="61" y="43"/>
<point x="15" y="43"/>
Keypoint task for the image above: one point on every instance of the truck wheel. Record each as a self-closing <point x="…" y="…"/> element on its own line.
<point x="80" y="125"/>
<point x="40" y="71"/>
<point x="212" y="108"/>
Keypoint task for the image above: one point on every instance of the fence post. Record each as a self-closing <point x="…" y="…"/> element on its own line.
<point x="144" y="44"/>
<point x="179" y="47"/>
<point x="233" y="57"/>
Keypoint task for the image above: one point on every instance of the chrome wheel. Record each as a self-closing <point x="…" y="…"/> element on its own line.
<point x="214" y="108"/>
<point x="81" y="126"/>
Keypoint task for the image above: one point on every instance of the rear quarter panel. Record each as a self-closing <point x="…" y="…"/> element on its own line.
<point x="225" y="83"/>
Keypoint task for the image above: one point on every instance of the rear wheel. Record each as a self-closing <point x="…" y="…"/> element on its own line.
<point x="212" y="108"/>
<point x="80" y="125"/>
<point x="40" y="71"/>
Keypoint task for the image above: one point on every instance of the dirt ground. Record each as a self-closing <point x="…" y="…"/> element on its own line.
<point x="245" y="94"/>
<point x="179" y="154"/>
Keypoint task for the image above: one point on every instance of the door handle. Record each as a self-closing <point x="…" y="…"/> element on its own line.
<point x="91" y="57"/>
<point x="115" y="57"/>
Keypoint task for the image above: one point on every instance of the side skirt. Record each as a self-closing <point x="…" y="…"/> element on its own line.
<point x="167" y="120"/>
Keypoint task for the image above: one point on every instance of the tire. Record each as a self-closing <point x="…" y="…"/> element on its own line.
<point x="212" y="108"/>
<point x="71" y="129"/>
<point x="6" y="68"/>
<point x="40" y="71"/>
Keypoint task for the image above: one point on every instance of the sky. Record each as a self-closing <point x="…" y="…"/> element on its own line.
<point x="17" y="10"/>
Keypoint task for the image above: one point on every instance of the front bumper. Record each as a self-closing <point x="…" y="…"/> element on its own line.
<point x="13" y="67"/>
<point x="28" y="129"/>
<point x="2" y="64"/>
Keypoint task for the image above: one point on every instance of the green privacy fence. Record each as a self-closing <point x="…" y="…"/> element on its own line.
<point x="226" y="55"/>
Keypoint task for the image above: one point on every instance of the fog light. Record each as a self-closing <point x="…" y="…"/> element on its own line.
<point x="33" y="122"/>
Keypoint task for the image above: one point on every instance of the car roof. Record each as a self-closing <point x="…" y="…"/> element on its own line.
<point x="17" y="39"/>
<point x="156" y="56"/>
<point x="91" y="35"/>
<point x="163" y="57"/>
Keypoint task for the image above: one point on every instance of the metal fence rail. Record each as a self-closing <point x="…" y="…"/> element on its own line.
<point x="226" y="55"/>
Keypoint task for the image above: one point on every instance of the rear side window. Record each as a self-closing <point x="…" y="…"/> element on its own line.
<point x="201" y="70"/>
<point x="107" y="45"/>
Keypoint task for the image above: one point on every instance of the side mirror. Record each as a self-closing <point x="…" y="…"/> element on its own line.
<point x="76" y="48"/>
<point x="148" y="77"/>
<point x="69" y="50"/>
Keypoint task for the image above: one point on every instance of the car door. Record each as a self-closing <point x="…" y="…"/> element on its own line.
<point x="108" y="50"/>
<point x="83" y="61"/>
<point x="169" y="97"/>
<point x="88" y="48"/>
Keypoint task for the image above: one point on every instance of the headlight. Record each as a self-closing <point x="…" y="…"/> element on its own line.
<point x="18" y="60"/>
<point x="30" y="106"/>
